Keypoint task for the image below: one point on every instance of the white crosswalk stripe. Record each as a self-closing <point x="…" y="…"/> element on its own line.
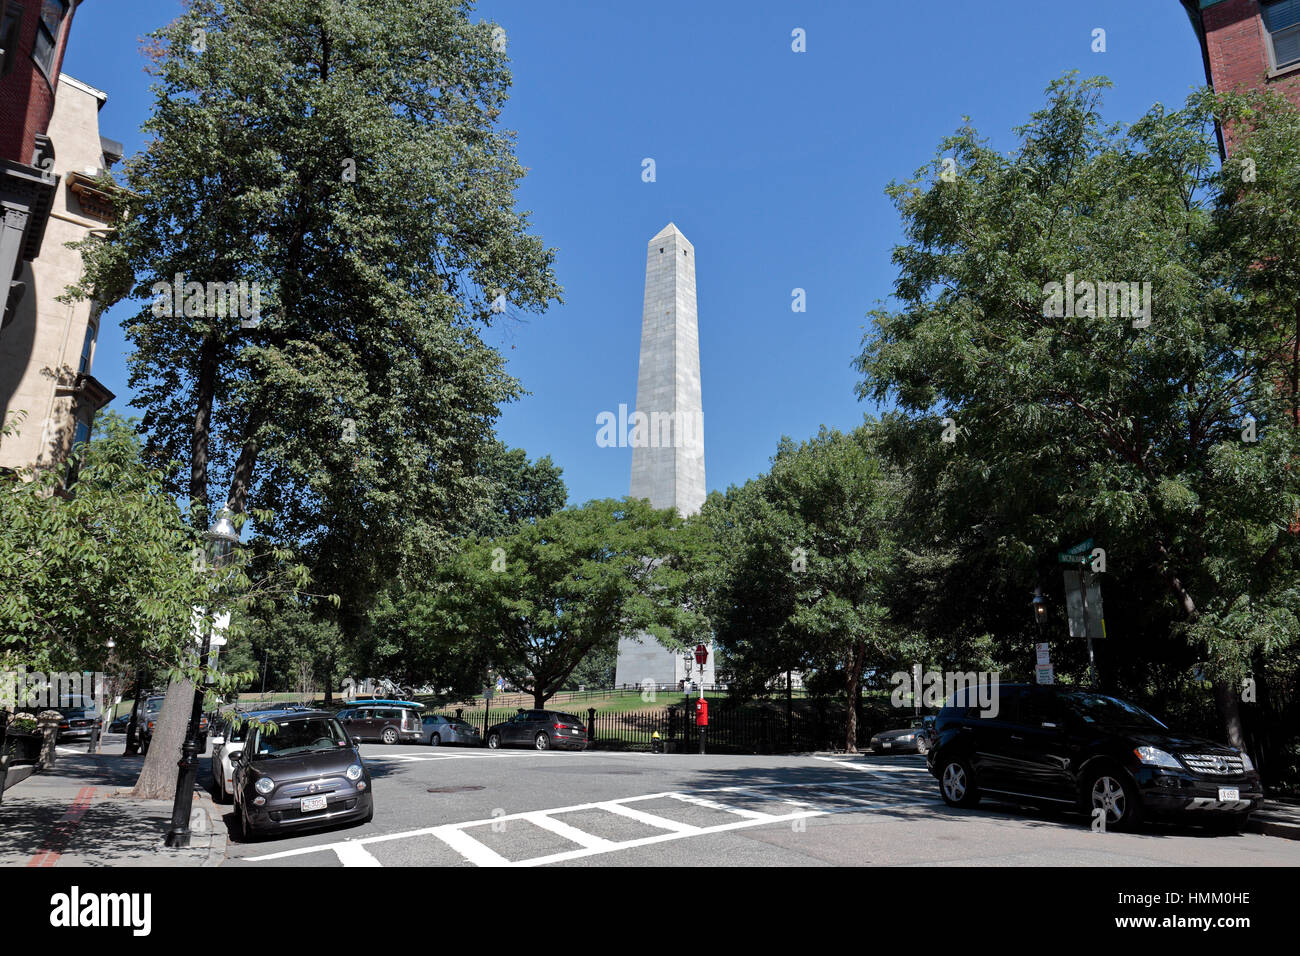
<point x="783" y="804"/>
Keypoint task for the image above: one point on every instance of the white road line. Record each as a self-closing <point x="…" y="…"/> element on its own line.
<point x="871" y="767"/>
<point x="665" y="837"/>
<point x="764" y="796"/>
<point x="663" y="823"/>
<point x="354" y="854"/>
<point x="415" y="757"/>
<point x="464" y="844"/>
<point x="571" y="833"/>
<point x="714" y="805"/>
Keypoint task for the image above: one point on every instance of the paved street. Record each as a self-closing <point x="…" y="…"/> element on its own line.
<point x="445" y="807"/>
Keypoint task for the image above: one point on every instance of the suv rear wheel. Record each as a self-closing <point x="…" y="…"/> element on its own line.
<point x="389" y="735"/>
<point x="956" y="784"/>
<point x="434" y="740"/>
<point x="542" y="742"/>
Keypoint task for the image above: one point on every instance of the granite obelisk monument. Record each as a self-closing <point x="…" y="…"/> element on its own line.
<point x="667" y="428"/>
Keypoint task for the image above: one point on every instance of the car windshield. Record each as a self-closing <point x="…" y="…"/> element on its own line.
<point x="236" y="734"/>
<point x="299" y="737"/>
<point x="1100" y="709"/>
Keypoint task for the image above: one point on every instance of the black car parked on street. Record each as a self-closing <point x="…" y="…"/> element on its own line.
<point x="1081" y="750"/>
<point x="540" y="729"/>
<point x="304" y="773"/>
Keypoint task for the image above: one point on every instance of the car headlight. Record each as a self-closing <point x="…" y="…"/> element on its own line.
<point x="1246" y="763"/>
<point x="264" y="785"/>
<point x="1155" y="757"/>
<point x="355" y="771"/>
<point x="908" y="737"/>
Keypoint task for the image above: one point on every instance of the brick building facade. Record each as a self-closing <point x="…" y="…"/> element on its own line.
<point x="1248" y="44"/>
<point x="33" y="37"/>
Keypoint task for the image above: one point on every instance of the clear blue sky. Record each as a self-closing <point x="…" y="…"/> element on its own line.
<point x="773" y="163"/>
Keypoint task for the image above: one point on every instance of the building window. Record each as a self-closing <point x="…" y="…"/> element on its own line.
<point x="47" y="34"/>
<point x="1282" y="20"/>
<point x="9" y="38"/>
<point x="86" y="347"/>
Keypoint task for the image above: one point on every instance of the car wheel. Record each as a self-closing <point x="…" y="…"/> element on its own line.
<point x="1111" y="791"/>
<point x="957" y="784"/>
<point x="542" y="742"/>
<point x="246" y="831"/>
<point x="494" y="741"/>
<point x="389" y="736"/>
<point x="144" y="747"/>
<point x="434" y="740"/>
<point x="921" y="746"/>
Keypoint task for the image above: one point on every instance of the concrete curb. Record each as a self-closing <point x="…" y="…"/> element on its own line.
<point x="1272" y="823"/>
<point x="208" y="825"/>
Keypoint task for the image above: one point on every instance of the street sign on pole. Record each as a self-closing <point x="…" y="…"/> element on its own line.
<point x="1044" y="675"/>
<point x="1043" y="654"/>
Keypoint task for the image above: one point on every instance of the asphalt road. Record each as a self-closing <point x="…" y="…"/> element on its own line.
<point x="459" y="807"/>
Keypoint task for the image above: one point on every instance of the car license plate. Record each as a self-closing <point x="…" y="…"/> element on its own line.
<point x="1229" y="794"/>
<point x="312" y="803"/>
<point x="886" y="745"/>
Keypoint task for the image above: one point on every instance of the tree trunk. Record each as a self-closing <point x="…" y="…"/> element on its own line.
<point x="243" y="474"/>
<point x="854" y="685"/>
<point x="539" y="699"/>
<point x="158" y="776"/>
<point x="1225" y="696"/>
<point x="204" y="392"/>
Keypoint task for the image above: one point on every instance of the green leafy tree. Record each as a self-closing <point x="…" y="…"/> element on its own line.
<point x="799" y="572"/>
<point x="519" y="490"/>
<point x="1166" y="435"/>
<point x="105" y="557"/>
<point x="299" y="649"/>
<point x="556" y="590"/>
<point x="347" y="160"/>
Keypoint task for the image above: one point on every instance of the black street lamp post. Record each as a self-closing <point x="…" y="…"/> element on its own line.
<point x="222" y="538"/>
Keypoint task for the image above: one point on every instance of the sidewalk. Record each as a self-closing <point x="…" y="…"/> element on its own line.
<point x="1276" y="820"/>
<point x="80" y="813"/>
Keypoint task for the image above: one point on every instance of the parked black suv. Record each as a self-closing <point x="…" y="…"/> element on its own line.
<point x="541" y="730"/>
<point x="1082" y="750"/>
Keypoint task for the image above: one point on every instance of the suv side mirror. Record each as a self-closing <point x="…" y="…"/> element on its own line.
<point x="216" y="740"/>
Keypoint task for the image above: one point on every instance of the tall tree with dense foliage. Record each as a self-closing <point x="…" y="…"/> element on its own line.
<point x="798" y="571"/>
<point x="320" y="226"/>
<point x="346" y="158"/>
<point x="407" y="635"/>
<point x="1041" y="403"/>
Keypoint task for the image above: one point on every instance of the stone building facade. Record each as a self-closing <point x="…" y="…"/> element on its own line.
<point x="47" y="349"/>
